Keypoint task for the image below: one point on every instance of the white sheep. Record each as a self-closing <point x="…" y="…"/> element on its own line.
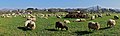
<point x="116" y="17"/>
<point x="93" y="17"/>
<point x="111" y="22"/>
<point x="66" y="21"/>
<point x="29" y="24"/>
<point x="94" y="25"/>
<point x="80" y="20"/>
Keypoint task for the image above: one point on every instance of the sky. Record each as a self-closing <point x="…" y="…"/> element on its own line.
<point x="58" y="3"/>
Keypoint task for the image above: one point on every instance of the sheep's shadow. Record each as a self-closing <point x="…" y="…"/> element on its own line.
<point x="104" y="28"/>
<point x="51" y="29"/>
<point x="79" y="33"/>
<point x="23" y="28"/>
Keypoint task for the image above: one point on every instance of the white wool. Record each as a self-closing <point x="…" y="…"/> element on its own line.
<point x="66" y="21"/>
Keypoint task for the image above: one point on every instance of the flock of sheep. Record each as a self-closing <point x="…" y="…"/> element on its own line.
<point x="31" y="20"/>
<point x="91" y="24"/>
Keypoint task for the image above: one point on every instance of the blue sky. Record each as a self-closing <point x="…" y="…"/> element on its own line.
<point x="58" y="3"/>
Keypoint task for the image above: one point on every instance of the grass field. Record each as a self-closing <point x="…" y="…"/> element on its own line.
<point x="45" y="27"/>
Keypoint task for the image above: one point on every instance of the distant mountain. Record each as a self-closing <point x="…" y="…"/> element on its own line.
<point x="95" y="8"/>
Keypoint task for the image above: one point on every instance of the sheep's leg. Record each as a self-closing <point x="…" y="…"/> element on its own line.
<point x="66" y="28"/>
<point x="61" y="28"/>
<point x="107" y="25"/>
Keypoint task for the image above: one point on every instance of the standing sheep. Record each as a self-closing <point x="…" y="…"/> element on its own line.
<point x="94" y="25"/>
<point x="29" y="24"/>
<point x="93" y="17"/>
<point x="61" y="25"/>
<point x="100" y="15"/>
<point x="116" y="17"/>
<point x="111" y="22"/>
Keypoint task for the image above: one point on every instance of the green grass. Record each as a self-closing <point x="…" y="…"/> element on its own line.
<point x="44" y="27"/>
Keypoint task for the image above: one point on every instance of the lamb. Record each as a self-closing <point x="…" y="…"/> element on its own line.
<point x="108" y="14"/>
<point x="116" y="17"/>
<point x="93" y="17"/>
<point x="58" y="16"/>
<point x="100" y="15"/>
<point x="33" y="18"/>
<point x="111" y="22"/>
<point x="94" y="25"/>
<point x="80" y="20"/>
<point x="66" y="21"/>
<point x="61" y="25"/>
<point x="29" y="24"/>
<point x="77" y="20"/>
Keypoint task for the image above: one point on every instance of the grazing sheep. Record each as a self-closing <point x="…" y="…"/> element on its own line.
<point x="94" y="25"/>
<point x="111" y="22"/>
<point x="116" y="17"/>
<point x="29" y="24"/>
<point x="66" y="21"/>
<point x="3" y="15"/>
<point x="61" y="25"/>
<point x="80" y="20"/>
<point x="33" y="18"/>
<point x="93" y="17"/>
<point x="58" y="16"/>
<point x="100" y="15"/>
<point x="108" y="14"/>
<point x="29" y="18"/>
<point x="96" y="16"/>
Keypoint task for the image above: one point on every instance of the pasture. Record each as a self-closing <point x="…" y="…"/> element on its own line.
<point x="46" y="27"/>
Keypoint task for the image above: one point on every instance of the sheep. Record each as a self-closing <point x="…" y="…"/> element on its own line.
<point x="61" y="25"/>
<point x="80" y="20"/>
<point x="94" y="25"/>
<point x="3" y="15"/>
<point x="33" y="18"/>
<point x="66" y="21"/>
<point x="116" y="17"/>
<point x="28" y="17"/>
<point x="96" y="16"/>
<point x="58" y="16"/>
<point x="108" y="14"/>
<point x="93" y="17"/>
<point x="77" y="20"/>
<point x="29" y="24"/>
<point x="111" y="23"/>
<point x="100" y="15"/>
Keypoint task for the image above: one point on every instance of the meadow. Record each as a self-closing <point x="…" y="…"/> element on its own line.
<point x="46" y="27"/>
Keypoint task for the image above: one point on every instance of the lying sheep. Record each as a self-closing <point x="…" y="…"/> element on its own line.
<point x="77" y="20"/>
<point x="29" y="24"/>
<point x="111" y="22"/>
<point x="61" y="25"/>
<point x="93" y="17"/>
<point x="94" y="25"/>
<point x="66" y="21"/>
<point x="116" y="17"/>
<point x="80" y="20"/>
